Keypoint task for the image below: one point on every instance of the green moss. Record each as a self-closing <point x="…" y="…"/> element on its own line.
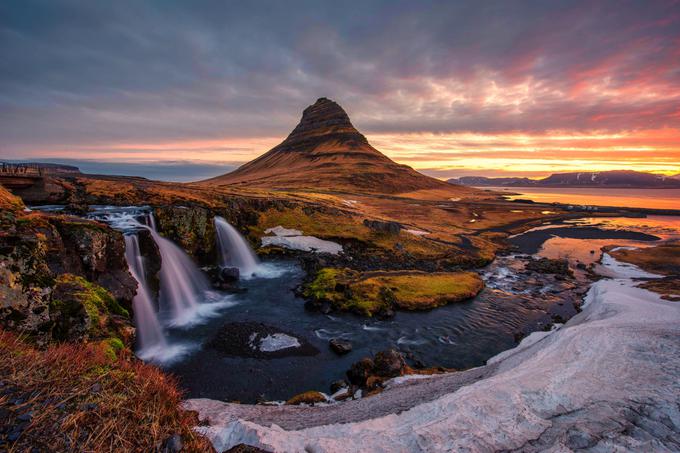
<point x="112" y="346"/>
<point x="73" y="294"/>
<point x="370" y="293"/>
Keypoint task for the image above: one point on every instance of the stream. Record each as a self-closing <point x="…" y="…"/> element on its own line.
<point x="459" y="336"/>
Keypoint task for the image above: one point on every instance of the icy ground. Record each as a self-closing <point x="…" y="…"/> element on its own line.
<point x="295" y="240"/>
<point x="608" y="380"/>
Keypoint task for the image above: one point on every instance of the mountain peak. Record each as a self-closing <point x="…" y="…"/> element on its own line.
<point x="323" y="120"/>
<point x="325" y="151"/>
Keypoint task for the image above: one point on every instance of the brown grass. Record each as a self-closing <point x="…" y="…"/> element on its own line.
<point x="83" y="400"/>
<point x="661" y="259"/>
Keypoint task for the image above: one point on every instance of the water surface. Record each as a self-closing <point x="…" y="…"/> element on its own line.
<point x="632" y="198"/>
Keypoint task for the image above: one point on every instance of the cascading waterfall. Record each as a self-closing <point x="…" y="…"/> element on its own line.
<point x="182" y="284"/>
<point x="151" y="220"/>
<point x="149" y="333"/>
<point x="234" y="250"/>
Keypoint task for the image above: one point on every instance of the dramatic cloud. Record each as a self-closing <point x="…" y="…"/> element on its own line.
<point x="460" y="84"/>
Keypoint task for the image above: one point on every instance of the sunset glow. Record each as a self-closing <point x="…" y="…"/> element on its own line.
<point x="503" y="90"/>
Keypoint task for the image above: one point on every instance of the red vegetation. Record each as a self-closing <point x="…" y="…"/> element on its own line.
<point x="81" y="397"/>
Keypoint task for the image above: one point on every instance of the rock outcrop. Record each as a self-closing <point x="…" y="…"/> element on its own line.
<point x="62" y="278"/>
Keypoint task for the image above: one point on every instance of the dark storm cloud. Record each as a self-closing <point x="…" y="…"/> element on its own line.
<point x="86" y="72"/>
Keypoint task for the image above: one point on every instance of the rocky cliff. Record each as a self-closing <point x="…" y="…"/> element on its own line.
<point x="62" y="278"/>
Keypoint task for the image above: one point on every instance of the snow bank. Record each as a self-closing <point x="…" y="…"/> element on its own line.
<point x="607" y="380"/>
<point x="295" y="240"/>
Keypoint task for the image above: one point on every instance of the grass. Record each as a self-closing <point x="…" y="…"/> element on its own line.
<point x="661" y="259"/>
<point x="82" y="399"/>
<point x="9" y="201"/>
<point x="343" y="226"/>
<point x="424" y="291"/>
<point x="370" y="293"/>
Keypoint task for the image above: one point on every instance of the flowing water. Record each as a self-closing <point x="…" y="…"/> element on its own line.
<point x="183" y="285"/>
<point x="233" y="248"/>
<point x="151" y="340"/>
<point x="458" y="335"/>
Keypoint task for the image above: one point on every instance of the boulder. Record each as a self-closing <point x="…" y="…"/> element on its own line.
<point x="339" y="346"/>
<point x="383" y="227"/>
<point x="360" y="371"/>
<point x="389" y="363"/>
<point x="559" y="267"/>
<point x="229" y="274"/>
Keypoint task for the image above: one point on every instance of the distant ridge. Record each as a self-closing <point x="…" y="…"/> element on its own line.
<point x="325" y="151"/>
<point x="614" y="179"/>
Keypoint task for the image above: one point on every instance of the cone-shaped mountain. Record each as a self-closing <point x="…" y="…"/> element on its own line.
<point x="325" y="151"/>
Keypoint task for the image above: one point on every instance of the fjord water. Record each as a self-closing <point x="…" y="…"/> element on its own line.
<point x="150" y="338"/>
<point x="233" y="248"/>
<point x="632" y="198"/>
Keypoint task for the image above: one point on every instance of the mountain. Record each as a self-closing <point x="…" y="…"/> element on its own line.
<point x="325" y="151"/>
<point x="614" y="179"/>
<point x="484" y="181"/>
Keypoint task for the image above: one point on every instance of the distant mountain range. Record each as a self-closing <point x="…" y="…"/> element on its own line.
<point x="325" y="151"/>
<point x="613" y="179"/>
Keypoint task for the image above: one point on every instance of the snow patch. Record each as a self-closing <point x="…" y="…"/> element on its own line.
<point x="303" y="243"/>
<point x="278" y="341"/>
<point x="294" y="240"/>
<point x="281" y="231"/>
<point x="418" y="232"/>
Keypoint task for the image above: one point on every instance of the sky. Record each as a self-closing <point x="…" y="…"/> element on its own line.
<point x="193" y="89"/>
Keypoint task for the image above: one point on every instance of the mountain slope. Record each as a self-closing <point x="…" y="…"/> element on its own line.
<point x="325" y="151"/>
<point x="613" y="179"/>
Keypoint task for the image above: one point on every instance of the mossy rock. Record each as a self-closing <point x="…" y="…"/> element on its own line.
<point x="311" y="397"/>
<point x="82" y="309"/>
<point x="374" y="292"/>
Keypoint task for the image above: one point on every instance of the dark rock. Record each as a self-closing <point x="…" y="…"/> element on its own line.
<point x="338" y="385"/>
<point x="383" y="227"/>
<point x="389" y="363"/>
<point x="173" y="444"/>
<point x="242" y="339"/>
<point x="340" y="346"/>
<point x="229" y="274"/>
<point x="96" y="388"/>
<point x="243" y="448"/>
<point x="360" y="371"/>
<point x="559" y="267"/>
<point x="79" y="209"/>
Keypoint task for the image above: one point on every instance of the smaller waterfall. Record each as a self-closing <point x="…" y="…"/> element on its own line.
<point x="183" y="285"/>
<point x="151" y="221"/>
<point x="149" y="333"/>
<point x="234" y="250"/>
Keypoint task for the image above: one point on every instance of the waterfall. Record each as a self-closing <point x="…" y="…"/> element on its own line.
<point x="183" y="285"/>
<point x="234" y="250"/>
<point x="149" y="333"/>
<point x="151" y="221"/>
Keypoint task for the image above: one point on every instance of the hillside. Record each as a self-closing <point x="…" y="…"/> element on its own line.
<point x="325" y="151"/>
<point x="613" y="178"/>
